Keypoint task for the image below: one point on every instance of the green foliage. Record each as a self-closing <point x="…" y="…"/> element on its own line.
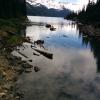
<point x="7" y="23"/>
<point x="71" y="16"/>
<point x="14" y="40"/>
<point x="12" y="24"/>
<point x="12" y="14"/>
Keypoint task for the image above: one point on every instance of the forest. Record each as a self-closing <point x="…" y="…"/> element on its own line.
<point x="12" y="8"/>
<point x="89" y="14"/>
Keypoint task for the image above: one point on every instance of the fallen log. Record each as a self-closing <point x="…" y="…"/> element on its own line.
<point x="44" y="53"/>
<point x="22" y="54"/>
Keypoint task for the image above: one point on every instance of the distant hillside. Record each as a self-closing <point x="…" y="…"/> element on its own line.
<point x="41" y="10"/>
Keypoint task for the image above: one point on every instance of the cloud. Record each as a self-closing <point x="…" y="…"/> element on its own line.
<point x="76" y="4"/>
<point x="84" y="2"/>
<point x="70" y="4"/>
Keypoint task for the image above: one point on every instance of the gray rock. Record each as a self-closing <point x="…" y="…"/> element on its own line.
<point x="36" y="68"/>
<point x="30" y="60"/>
<point x="26" y="65"/>
<point x="28" y="70"/>
<point x="19" y="69"/>
<point x="13" y="58"/>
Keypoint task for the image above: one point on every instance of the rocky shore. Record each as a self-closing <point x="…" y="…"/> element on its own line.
<point x="11" y="66"/>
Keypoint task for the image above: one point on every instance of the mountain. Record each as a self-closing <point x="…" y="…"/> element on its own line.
<point x="58" y="4"/>
<point x="41" y="10"/>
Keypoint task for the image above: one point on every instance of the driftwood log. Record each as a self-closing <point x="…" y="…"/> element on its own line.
<point x="44" y="53"/>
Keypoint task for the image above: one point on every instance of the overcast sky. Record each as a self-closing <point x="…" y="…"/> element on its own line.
<point x="76" y="1"/>
<point x="70" y="4"/>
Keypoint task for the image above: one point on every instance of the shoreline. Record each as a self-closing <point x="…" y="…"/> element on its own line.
<point x="11" y="67"/>
<point x="89" y="30"/>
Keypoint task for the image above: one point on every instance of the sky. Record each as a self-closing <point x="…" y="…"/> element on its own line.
<point x="77" y="4"/>
<point x="74" y="5"/>
<point x="75" y="1"/>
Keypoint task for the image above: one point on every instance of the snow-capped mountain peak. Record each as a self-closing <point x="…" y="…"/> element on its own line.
<point x="54" y="4"/>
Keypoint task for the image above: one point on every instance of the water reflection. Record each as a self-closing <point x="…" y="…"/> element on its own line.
<point x="71" y="74"/>
<point x="94" y="46"/>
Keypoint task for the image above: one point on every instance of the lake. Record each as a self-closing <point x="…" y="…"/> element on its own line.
<point x="72" y="73"/>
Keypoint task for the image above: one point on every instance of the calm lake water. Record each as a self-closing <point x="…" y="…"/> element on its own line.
<point x="72" y="74"/>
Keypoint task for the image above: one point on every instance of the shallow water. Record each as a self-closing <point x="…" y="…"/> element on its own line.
<point x="72" y="74"/>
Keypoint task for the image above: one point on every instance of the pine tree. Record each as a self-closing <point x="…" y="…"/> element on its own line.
<point x="12" y="8"/>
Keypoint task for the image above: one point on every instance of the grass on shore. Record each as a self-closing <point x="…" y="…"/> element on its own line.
<point x="13" y="26"/>
<point x="8" y="73"/>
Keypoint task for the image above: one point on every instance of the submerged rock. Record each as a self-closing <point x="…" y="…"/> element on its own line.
<point x="52" y="28"/>
<point x="48" y="25"/>
<point x="65" y="36"/>
<point x="39" y="42"/>
<point x="26" y="65"/>
<point x="28" y="70"/>
<point x="36" y="68"/>
<point x="47" y="37"/>
<point x="30" y="60"/>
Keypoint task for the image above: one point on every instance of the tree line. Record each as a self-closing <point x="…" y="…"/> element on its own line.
<point x="88" y="14"/>
<point x="12" y="8"/>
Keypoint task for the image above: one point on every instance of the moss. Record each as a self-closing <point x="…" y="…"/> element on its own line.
<point x="14" y="40"/>
<point x="10" y="32"/>
<point x="12" y="24"/>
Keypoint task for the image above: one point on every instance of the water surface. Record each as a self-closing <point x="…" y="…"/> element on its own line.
<point x="72" y="74"/>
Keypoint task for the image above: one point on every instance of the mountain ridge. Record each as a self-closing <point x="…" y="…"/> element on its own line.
<point x="41" y="10"/>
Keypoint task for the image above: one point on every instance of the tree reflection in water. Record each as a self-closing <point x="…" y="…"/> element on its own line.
<point x="94" y="45"/>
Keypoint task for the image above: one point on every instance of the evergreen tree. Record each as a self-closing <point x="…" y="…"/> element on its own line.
<point x="12" y="8"/>
<point x="89" y="15"/>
